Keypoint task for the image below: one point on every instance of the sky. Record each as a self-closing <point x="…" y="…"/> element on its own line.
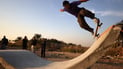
<point x="28" y="17"/>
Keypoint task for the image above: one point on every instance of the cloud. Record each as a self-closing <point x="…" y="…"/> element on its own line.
<point x="110" y="13"/>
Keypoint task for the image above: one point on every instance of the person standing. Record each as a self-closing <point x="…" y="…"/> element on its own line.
<point x="33" y="44"/>
<point x="4" y="43"/>
<point x="43" y="48"/>
<point x="25" y="43"/>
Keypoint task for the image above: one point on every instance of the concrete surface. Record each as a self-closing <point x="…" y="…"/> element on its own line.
<point x="22" y="59"/>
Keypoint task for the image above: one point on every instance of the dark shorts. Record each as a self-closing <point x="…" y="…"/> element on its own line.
<point x="81" y="18"/>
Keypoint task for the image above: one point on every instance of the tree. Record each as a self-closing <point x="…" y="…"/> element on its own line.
<point x="37" y="36"/>
<point x="18" y="38"/>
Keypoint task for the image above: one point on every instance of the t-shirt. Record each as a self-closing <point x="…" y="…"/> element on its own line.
<point x="74" y="9"/>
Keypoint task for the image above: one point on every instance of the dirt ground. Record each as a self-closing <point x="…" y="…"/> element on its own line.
<point x="103" y="63"/>
<point x="1" y="67"/>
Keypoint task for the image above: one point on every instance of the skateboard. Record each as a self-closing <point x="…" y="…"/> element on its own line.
<point x="96" y="34"/>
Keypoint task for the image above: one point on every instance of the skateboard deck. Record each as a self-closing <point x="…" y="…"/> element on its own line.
<point x="96" y="34"/>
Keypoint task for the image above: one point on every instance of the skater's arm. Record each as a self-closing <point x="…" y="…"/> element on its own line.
<point x="62" y="10"/>
<point x="74" y="3"/>
<point x="84" y="0"/>
<point x="78" y="2"/>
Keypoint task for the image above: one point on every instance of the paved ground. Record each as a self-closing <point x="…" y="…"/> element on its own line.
<point x="23" y="59"/>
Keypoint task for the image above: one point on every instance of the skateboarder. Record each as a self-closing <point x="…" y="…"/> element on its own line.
<point x="80" y="13"/>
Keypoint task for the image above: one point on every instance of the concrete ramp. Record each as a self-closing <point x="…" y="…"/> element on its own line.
<point x="26" y="60"/>
<point x="95" y="52"/>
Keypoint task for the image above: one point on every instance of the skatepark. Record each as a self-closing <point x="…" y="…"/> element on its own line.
<point x="71" y="34"/>
<point x="23" y="59"/>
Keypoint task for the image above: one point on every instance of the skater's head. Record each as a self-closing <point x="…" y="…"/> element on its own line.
<point x="66" y="4"/>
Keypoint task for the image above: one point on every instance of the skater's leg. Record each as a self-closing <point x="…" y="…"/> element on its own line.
<point x="89" y="14"/>
<point x="83" y="24"/>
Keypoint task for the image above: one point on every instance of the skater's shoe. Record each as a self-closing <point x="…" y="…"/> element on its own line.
<point x="96" y="20"/>
<point x="92" y="31"/>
